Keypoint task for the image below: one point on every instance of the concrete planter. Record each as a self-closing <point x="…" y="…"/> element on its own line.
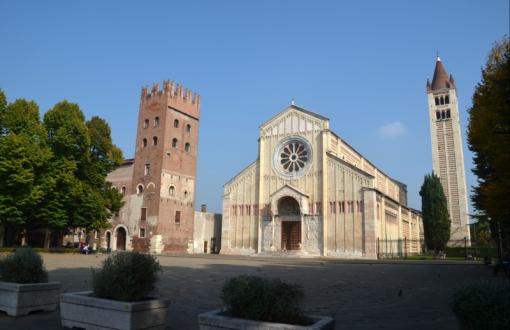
<point x="20" y="299"/>
<point x="82" y="310"/>
<point x="214" y="320"/>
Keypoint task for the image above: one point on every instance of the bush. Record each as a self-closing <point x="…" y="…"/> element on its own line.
<point x="271" y="300"/>
<point x="23" y="266"/>
<point x="483" y="305"/>
<point x="126" y="276"/>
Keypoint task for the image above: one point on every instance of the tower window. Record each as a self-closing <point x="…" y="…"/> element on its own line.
<point x="447" y="99"/>
<point x="437" y="100"/>
<point x="123" y="191"/>
<point x="177" y="217"/>
<point x="187" y="147"/>
<point x="144" y="143"/>
<point x="185" y="194"/>
<point x="438" y="115"/>
<point x="155" y="141"/>
<point x="171" y="191"/>
<point x="176" y="123"/>
<point x="174" y="142"/>
<point x="147" y="170"/>
<point x="146" y="123"/>
<point x="142" y="232"/>
<point x="442" y="100"/>
<point x="447" y="113"/>
<point x="143" y="213"/>
<point x="139" y="189"/>
<point x="156" y="121"/>
<point x="188" y="128"/>
<point x="443" y="115"/>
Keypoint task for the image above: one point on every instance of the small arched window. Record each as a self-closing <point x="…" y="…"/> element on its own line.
<point x="174" y="143"/>
<point x="447" y="99"/>
<point x="176" y="123"/>
<point x="188" y="128"/>
<point x="146" y="123"/>
<point x="171" y="191"/>
<point x="144" y="143"/>
<point x="443" y="116"/>
<point x="187" y="147"/>
<point x="155" y="141"/>
<point x="447" y="113"/>
<point x="123" y="191"/>
<point x="156" y="121"/>
<point x="139" y="189"/>
<point x="437" y="100"/>
<point x="442" y="100"/>
<point x="185" y="194"/>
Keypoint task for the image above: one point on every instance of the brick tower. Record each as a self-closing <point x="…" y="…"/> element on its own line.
<point x="164" y="169"/>
<point x="447" y="154"/>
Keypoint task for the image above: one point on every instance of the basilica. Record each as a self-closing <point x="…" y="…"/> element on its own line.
<point x="309" y="192"/>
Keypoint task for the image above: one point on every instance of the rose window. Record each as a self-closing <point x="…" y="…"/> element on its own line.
<point x="292" y="157"/>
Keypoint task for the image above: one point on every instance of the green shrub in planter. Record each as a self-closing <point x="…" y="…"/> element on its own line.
<point x="483" y="306"/>
<point x="126" y="276"/>
<point x="23" y="266"/>
<point x="262" y="299"/>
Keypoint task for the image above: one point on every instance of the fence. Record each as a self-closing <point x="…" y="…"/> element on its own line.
<point x="399" y="248"/>
<point x="464" y="249"/>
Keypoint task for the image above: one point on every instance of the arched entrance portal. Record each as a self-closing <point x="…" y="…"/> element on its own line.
<point x="121" y="239"/>
<point x="290" y="215"/>
<point x="108" y="241"/>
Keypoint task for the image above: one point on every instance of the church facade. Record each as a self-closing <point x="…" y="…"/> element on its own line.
<point x="310" y="193"/>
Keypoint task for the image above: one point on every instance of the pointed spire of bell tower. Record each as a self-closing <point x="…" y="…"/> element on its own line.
<point x="440" y="79"/>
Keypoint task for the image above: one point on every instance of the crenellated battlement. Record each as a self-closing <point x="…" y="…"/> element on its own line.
<point x="173" y="91"/>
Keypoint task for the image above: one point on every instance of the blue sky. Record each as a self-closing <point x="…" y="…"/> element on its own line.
<point x="363" y="64"/>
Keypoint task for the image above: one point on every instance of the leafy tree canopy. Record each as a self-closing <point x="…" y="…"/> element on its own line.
<point x="53" y="173"/>
<point x="489" y="139"/>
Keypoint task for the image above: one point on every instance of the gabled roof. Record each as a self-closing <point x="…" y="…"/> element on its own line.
<point x="295" y="107"/>
<point x="285" y="187"/>
<point x="441" y="80"/>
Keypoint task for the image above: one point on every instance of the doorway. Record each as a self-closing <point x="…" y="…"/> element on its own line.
<point x="290" y="215"/>
<point x="108" y="241"/>
<point x="121" y="239"/>
<point x="291" y="235"/>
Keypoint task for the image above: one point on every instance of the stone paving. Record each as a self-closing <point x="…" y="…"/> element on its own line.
<point x="358" y="294"/>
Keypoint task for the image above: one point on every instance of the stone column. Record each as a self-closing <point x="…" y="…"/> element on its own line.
<point x="369" y="224"/>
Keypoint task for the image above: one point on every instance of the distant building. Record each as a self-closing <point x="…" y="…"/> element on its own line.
<point x="310" y="193"/>
<point x="447" y="154"/>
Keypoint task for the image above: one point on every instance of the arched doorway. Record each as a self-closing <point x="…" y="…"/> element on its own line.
<point x="290" y="215"/>
<point x="121" y="239"/>
<point x="108" y="241"/>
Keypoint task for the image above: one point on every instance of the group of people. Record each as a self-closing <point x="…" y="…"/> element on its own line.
<point x="86" y="248"/>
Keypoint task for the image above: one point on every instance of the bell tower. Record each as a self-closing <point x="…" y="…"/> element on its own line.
<point x="447" y="154"/>
<point x="164" y="170"/>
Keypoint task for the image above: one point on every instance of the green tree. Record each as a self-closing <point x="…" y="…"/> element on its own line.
<point x="24" y="160"/>
<point x="53" y="174"/>
<point x="489" y="139"/>
<point x="436" y="220"/>
<point x="86" y="149"/>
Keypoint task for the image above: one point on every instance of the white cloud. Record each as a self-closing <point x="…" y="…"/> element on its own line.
<point x="392" y="130"/>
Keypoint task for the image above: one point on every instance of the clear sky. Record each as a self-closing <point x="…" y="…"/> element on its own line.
<point x="363" y="64"/>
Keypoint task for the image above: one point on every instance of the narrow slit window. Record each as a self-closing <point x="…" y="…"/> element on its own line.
<point x="177" y="217"/>
<point x="143" y="213"/>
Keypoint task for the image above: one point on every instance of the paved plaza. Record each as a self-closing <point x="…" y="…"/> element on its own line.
<point x="358" y="294"/>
